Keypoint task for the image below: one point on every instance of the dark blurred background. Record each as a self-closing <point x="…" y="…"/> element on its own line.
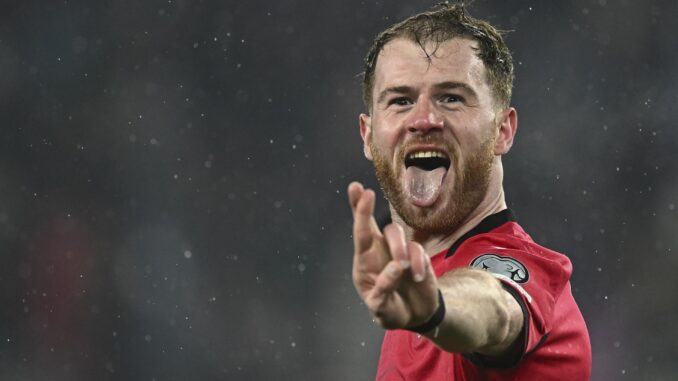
<point x="173" y="174"/>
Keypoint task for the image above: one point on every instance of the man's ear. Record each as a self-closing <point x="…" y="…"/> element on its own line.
<point x="366" y="134"/>
<point x="506" y="131"/>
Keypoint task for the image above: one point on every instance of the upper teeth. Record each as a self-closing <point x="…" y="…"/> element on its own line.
<point x="425" y="154"/>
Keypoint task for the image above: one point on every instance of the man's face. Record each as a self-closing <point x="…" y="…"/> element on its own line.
<point x="431" y="135"/>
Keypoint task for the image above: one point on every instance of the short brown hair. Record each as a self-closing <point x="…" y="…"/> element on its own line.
<point x="443" y="23"/>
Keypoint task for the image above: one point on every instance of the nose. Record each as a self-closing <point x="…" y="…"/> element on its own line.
<point x="424" y="118"/>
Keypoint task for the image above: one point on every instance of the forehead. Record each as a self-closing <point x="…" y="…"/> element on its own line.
<point x="404" y="62"/>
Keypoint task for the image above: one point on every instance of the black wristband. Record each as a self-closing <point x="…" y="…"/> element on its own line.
<point x="434" y="321"/>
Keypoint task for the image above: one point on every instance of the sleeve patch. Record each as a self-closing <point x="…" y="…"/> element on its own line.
<point x="504" y="266"/>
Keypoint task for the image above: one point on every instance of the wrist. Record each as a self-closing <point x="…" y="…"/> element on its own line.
<point x="434" y="321"/>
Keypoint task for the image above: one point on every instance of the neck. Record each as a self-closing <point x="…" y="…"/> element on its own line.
<point x="494" y="202"/>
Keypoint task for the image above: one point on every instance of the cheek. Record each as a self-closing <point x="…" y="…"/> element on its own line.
<point x="473" y="135"/>
<point x="384" y="140"/>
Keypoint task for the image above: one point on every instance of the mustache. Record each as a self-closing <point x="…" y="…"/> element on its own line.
<point x="437" y="141"/>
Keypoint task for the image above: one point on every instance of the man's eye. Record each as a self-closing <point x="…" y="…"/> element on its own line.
<point x="451" y="98"/>
<point x="400" y="101"/>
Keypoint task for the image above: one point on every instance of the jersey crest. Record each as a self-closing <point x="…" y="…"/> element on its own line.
<point x="505" y="266"/>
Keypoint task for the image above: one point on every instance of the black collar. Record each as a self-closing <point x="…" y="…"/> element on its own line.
<point x="488" y="224"/>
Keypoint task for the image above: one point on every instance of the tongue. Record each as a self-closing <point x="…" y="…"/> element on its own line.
<point x="423" y="186"/>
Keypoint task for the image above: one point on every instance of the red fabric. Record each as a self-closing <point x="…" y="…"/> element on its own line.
<point x="565" y="353"/>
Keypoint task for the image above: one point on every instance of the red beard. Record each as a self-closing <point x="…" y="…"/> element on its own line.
<point x="470" y="187"/>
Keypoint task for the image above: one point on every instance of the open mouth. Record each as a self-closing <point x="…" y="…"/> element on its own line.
<point x="425" y="172"/>
<point x="427" y="160"/>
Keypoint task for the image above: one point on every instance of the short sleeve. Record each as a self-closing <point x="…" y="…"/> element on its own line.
<point x="533" y="275"/>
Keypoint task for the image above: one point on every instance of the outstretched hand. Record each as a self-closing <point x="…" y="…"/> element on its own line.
<point x="393" y="277"/>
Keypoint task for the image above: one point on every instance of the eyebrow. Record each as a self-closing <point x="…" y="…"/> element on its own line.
<point x="394" y="90"/>
<point x="447" y="85"/>
<point x="451" y="85"/>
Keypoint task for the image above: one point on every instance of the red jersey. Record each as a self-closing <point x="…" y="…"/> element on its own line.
<point x="554" y="343"/>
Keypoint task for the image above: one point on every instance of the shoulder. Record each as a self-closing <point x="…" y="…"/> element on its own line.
<point x="507" y="251"/>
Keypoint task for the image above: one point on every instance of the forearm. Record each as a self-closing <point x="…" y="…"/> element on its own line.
<point x="480" y="315"/>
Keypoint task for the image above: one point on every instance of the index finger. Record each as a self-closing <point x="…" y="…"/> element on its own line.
<point x="355" y="190"/>
<point x="364" y="226"/>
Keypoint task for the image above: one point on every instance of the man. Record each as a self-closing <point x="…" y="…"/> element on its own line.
<point x="463" y="292"/>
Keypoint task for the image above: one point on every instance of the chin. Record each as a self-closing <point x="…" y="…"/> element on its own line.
<point x="439" y="218"/>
